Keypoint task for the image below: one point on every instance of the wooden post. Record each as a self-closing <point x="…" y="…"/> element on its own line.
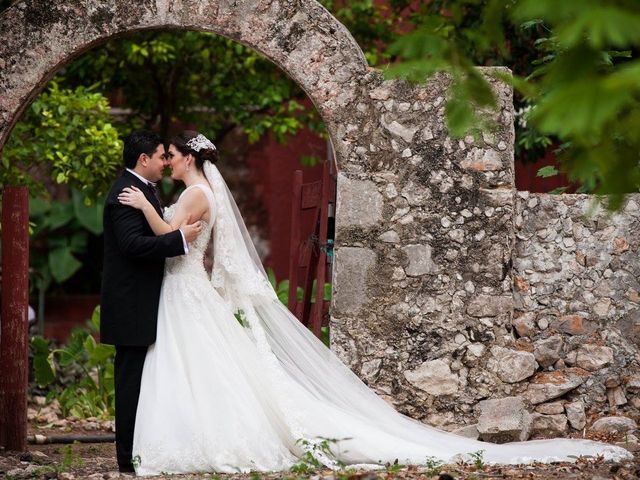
<point x="14" y="358"/>
<point x="294" y="247"/>
<point x="316" y="317"/>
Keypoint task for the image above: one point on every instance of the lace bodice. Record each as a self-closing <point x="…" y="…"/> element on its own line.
<point x="193" y="262"/>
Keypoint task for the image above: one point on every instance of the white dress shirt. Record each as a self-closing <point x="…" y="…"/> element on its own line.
<point x="148" y="182"/>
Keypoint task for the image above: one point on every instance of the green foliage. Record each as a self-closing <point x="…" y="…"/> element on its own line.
<point x="347" y="474"/>
<point x="282" y="290"/>
<point x="548" y="171"/>
<point x="91" y="393"/>
<point x="394" y="468"/>
<point x="68" y="134"/>
<point x="70" y="458"/>
<point x="195" y="78"/>
<point x="587" y="94"/>
<point x="325" y="336"/>
<point x="478" y="459"/>
<point x="314" y="452"/>
<point x="432" y="466"/>
<point x="241" y="318"/>
<point x="581" y="88"/>
<point x="310" y="160"/>
<point x="438" y="44"/>
<point x="43" y="365"/>
<point x="530" y="143"/>
<point x="59" y="235"/>
<point x="373" y="25"/>
<point x="326" y="295"/>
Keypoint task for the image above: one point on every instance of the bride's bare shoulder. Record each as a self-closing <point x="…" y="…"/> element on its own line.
<point x="193" y="194"/>
<point x="193" y="200"/>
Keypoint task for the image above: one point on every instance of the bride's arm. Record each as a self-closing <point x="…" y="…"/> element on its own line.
<point x="133" y="197"/>
<point x="191" y="207"/>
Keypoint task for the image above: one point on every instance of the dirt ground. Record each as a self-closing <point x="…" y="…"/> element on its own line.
<point x="97" y="461"/>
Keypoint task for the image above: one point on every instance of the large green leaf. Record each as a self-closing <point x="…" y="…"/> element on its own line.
<point x="43" y="370"/>
<point x="74" y="351"/>
<point x="95" y="320"/>
<point x="43" y="367"/>
<point x="78" y="242"/>
<point x="38" y="207"/>
<point x="63" y="264"/>
<point x="98" y="352"/>
<point x="108" y="379"/>
<point x="89" y="216"/>
<point x="101" y="353"/>
<point x="60" y="214"/>
<point x="548" y="171"/>
<point x="272" y="277"/>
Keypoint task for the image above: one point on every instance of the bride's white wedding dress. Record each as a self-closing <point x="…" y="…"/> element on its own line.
<point x="235" y="383"/>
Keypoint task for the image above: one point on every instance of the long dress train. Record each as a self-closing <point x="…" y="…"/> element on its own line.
<point x="234" y="382"/>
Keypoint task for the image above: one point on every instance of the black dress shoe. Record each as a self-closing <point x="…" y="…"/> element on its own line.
<point x="126" y="468"/>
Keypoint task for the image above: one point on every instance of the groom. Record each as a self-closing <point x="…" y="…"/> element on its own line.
<point x="133" y="270"/>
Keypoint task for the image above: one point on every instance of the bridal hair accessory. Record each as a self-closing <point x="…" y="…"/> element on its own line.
<point x="199" y="142"/>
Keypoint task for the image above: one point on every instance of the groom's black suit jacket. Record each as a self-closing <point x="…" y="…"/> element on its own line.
<point x="133" y="269"/>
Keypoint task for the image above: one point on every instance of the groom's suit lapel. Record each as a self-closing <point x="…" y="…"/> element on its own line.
<point x="145" y="189"/>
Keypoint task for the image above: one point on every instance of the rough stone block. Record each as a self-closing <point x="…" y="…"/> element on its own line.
<point x="570" y="324"/>
<point x="549" y="350"/>
<point x="514" y="365"/>
<point x="350" y="277"/>
<point x="525" y="325"/>
<point x="490" y="306"/>
<point x="549" y="385"/>
<point x="358" y="203"/>
<point x="633" y="384"/>
<point x="553" y="408"/>
<point x="434" y="377"/>
<point x="420" y="261"/>
<point x="576" y="415"/>
<point x="468" y="431"/>
<point x="549" y="425"/>
<point x="594" y="357"/>
<point x="504" y="420"/>
<point x="614" y="425"/>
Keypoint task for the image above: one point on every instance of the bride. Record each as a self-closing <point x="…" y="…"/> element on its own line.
<point x="235" y="383"/>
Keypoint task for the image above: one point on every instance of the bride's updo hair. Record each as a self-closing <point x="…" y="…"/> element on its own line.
<point x="204" y="155"/>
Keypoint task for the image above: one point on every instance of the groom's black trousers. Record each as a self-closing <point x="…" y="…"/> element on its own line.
<point x="128" y="374"/>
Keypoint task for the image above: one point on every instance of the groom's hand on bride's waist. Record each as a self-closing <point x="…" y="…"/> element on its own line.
<point x="190" y="230"/>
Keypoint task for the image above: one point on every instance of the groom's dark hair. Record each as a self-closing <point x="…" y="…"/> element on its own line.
<point x="139" y="142"/>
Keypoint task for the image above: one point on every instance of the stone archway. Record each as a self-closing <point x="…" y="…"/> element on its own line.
<point x="424" y="222"/>
<point x="302" y="38"/>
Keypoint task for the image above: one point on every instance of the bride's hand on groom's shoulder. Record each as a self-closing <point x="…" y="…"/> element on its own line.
<point x="190" y="230"/>
<point x="133" y="197"/>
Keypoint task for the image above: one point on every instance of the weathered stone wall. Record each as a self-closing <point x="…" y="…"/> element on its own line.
<point x="453" y="289"/>
<point x="423" y="246"/>
<point x="556" y="348"/>
<point x="577" y="306"/>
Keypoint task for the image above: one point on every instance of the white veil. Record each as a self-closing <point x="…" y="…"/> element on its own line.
<point x="319" y="389"/>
